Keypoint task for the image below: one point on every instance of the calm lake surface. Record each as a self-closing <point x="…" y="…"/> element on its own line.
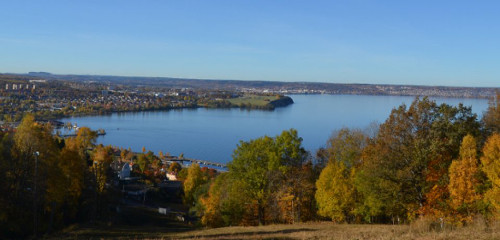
<point x="212" y="134"/>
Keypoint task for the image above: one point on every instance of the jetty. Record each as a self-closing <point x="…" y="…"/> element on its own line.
<point x="192" y="160"/>
<point x="99" y="133"/>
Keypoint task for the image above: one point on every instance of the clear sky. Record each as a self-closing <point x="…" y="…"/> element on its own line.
<point x="452" y="43"/>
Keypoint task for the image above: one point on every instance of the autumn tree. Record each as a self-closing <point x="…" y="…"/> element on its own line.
<point x="293" y="201"/>
<point x="175" y="167"/>
<point x="463" y="181"/>
<point x="101" y="173"/>
<point x="37" y="150"/>
<point x="74" y="169"/>
<point x="47" y="181"/>
<point x="126" y="155"/>
<point x="393" y="165"/>
<point x="143" y="162"/>
<point x="336" y="193"/>
<point x="490" y="164"/>
<point x="84" y="141"/>
<point x="252" y="164"/>
<point x="450" y="125"/>
<point x="259" y="165"/>
<point x="410" y="158"/>
<point x="212" y="213"/>
<point x="19" y="203"/>
<point x="102" y="159"/>
<point x="29" y="163"/>
<point x="195" y="178"/>
<point x="225" y="204"/>
<point x="182" y="174"/>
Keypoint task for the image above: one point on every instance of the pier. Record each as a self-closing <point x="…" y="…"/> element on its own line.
<point x="99" y="133"/>
<point x="192" y="160"/>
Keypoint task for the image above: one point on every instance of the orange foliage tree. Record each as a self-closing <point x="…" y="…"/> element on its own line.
<point x="490" y="163"/>
<point x="463" y="181"/>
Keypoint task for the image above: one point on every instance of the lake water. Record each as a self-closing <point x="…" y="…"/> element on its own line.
<point x="212" y="134"/>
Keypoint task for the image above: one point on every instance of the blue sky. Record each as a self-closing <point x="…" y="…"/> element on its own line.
<point x="452" y="43"/>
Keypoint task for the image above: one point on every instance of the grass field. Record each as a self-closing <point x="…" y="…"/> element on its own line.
<point x="328" y="230"/>
<point x="311" y="230"/>
<point x="255" y="100"/>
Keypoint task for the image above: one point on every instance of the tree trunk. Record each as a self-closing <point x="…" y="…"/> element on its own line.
<point x="261" y="215"/>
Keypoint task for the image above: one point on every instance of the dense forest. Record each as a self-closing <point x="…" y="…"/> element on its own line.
<point x="48" y="182"/>
<point x="426" y="160"/>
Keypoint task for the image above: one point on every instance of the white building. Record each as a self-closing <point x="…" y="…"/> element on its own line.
<point x="125" y="172"/>
<point x="171" y="176"/>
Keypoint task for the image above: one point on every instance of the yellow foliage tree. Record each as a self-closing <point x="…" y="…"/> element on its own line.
<point x="335" y="192"/>
<point x="212" y="215"/>
<point x="36" y="152"/>
<point x="193" y="180"/>
<point x="226" y="204"/>
<point x="490" y="163"/>
<point x="100" y="167"/>
<point x="84" y="140"/>
<point x="463" y="181"/>
<point x="73" y="169"/>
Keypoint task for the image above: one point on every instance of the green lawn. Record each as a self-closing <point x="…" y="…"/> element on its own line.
<point x="255" y="100"/>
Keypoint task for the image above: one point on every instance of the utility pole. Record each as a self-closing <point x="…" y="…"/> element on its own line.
<point x="35" y="202"/>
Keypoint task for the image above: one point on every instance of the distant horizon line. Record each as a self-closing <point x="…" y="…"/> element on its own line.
<point x="240" y="80"/>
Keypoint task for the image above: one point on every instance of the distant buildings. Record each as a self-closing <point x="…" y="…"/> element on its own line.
<point x="19" y="86"/>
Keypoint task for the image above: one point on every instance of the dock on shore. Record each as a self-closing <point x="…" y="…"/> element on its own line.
<point x="192" y="160"/>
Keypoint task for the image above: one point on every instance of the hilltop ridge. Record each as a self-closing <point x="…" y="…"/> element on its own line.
<point x="280" y="87"/>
